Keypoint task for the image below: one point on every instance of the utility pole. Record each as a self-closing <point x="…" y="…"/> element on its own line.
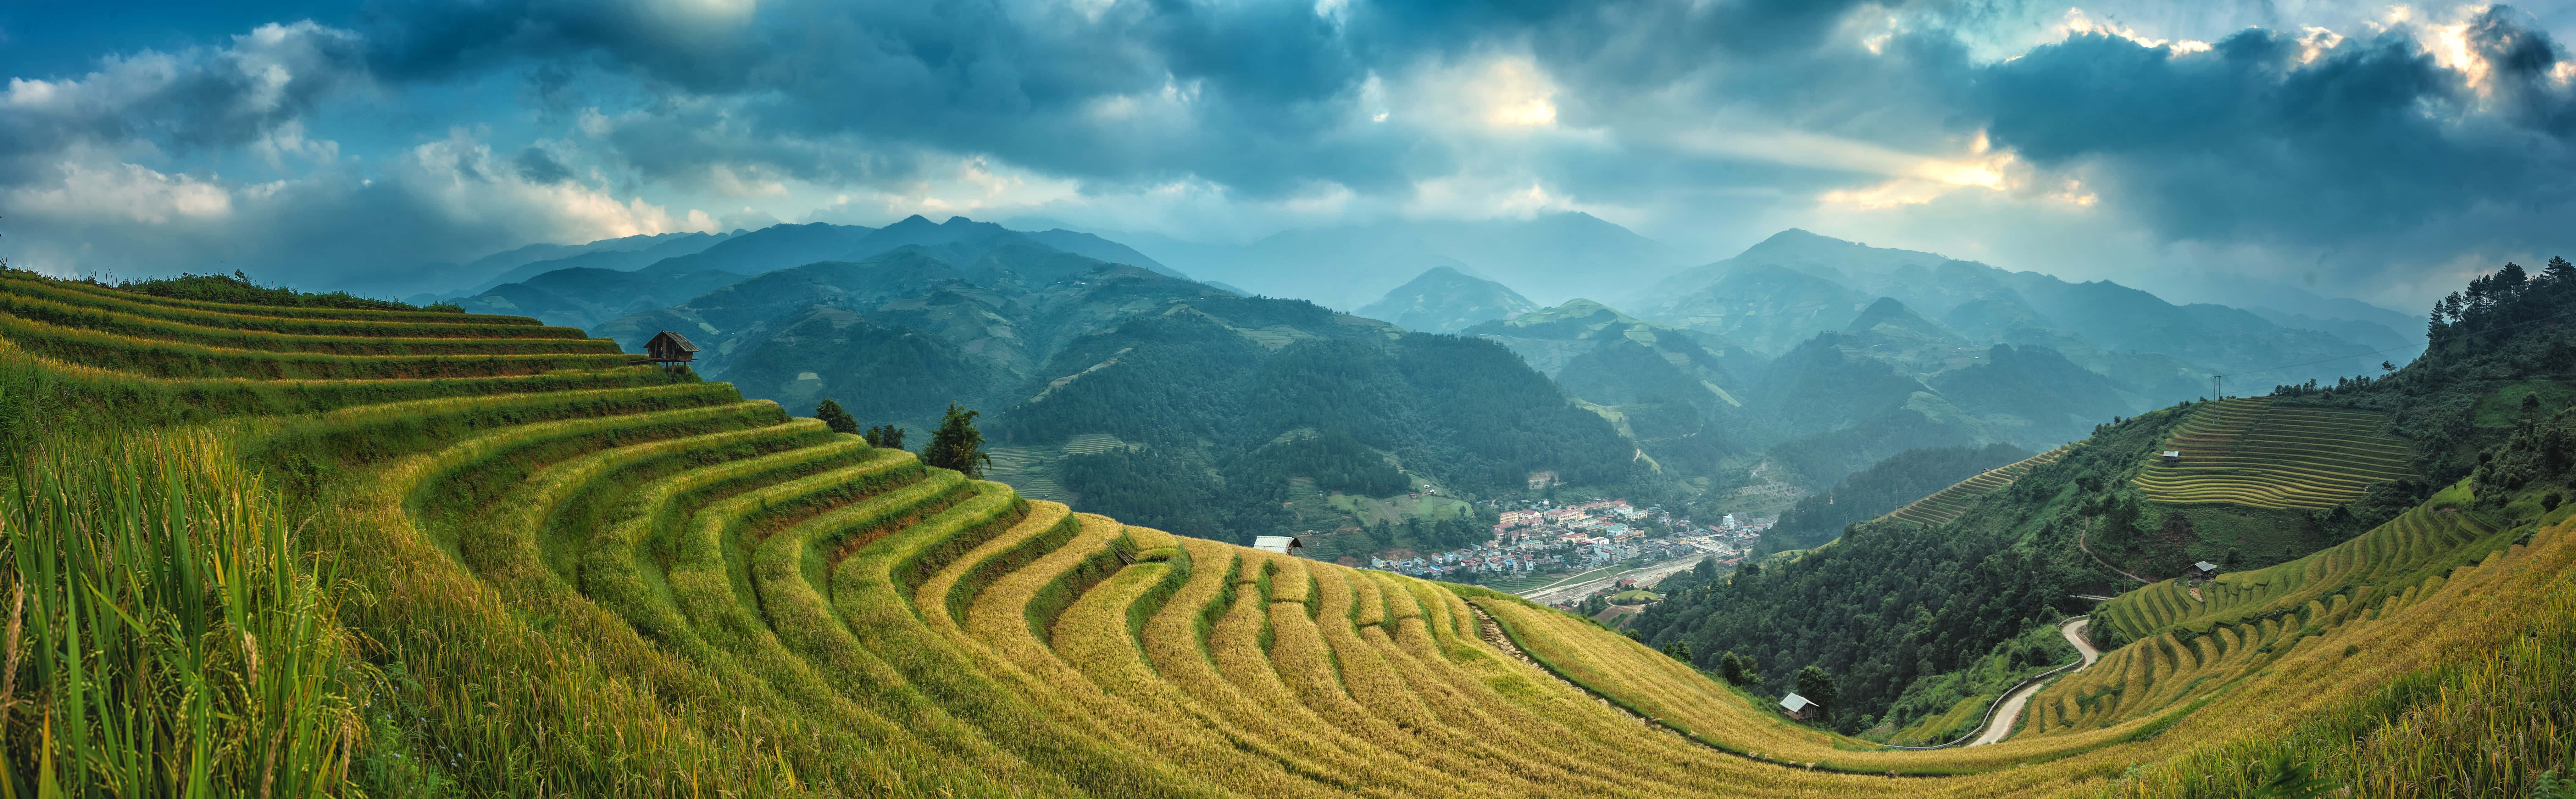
<point x="2213" y="388"/>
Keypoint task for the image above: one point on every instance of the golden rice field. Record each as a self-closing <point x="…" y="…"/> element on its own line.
<point x="2322" y="606"/>
<point x="605" y="579"/>
<point x="2417" y="544"/>
<point x="1945" y="505"/>
<point x="2253" y="451"/>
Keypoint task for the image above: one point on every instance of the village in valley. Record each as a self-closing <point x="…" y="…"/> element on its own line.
<point x="1595" y="556"/>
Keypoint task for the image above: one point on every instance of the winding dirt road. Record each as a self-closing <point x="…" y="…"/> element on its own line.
<point x="2001" y="726"/>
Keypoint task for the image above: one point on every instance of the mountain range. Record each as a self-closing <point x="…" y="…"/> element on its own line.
<point x="1804" y="358"/>
<point x="1824" y="356"/>
<point x="589" y="288"/>
<point x="1797" y="284"/>
<point x="1236" y="398"/>
<point x="1550" y="256"/>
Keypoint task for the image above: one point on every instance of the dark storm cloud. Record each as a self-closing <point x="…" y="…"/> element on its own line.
<point x="1261" y="97"/>
<point x="538" y="167"/>
<point x="2245" y="141"/>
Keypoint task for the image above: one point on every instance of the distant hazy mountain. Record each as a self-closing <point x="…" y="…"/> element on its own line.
<point x="1889" y="381"/>
<point x="1798" y="284"/>
<point x="1551" y="257"/>
<point x="609" y="254"/>
<point x="2292" y="306"/>
<point x="582" y="296"/>
<point x="770" y="248"/>
<point x="1442" y="300"/>
<point x="585" y="295"/>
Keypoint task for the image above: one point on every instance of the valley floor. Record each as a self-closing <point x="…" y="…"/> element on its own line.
<point x="1582" y="585"/>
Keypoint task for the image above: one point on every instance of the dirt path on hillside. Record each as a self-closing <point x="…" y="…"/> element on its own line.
<point x="2088" y="551"/>
<point x="2001" y="725"/>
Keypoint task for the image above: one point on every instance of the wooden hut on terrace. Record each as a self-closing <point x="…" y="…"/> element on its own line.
<point x="668" y="347"/>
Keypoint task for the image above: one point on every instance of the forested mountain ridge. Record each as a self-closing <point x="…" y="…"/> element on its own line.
<point x="1894" y="603"/>
<point x="1443" y="300"/>
<point x="1055" y="346"/>
<point x="1214" y="410"/>
<point x="591" y="288"/>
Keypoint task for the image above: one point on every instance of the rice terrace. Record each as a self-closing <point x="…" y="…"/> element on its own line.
<point x="2252" y="452"/>
<point x="1287" y="399"/>
<point x="525" y="531"/>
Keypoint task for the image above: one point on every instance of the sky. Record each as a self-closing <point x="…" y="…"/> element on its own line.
<point x="2372" y="150"/>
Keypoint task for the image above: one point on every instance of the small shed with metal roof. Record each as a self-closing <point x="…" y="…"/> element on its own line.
<point x="1282" y="544"/>
<point x="1797" y="706"/>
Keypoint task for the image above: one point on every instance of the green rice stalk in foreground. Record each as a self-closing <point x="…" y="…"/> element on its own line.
<point x="165" y="635"/>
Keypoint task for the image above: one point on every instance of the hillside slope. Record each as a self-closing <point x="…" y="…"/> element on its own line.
<point x="612" y="579"/>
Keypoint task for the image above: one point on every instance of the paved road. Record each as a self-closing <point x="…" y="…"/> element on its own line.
<point x="2001" y="726"/>
<point x="1561" y="591"/>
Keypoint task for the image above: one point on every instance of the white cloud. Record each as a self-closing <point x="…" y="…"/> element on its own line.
<point x="122" y="192"/>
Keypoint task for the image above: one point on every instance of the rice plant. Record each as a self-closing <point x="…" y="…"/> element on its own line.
<point x="168" y="632"/>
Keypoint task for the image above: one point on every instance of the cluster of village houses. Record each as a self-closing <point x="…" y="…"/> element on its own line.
<point x="1583" y="536"/>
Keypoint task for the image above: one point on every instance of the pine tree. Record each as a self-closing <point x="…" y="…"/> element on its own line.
<point x="957" y="444"/>
<point x="833" y="417"/>
<point x="884" y="436"/>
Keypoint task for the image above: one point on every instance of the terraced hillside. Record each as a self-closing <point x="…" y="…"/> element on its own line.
<point x="2194" y="639"/>
<point x="2252" y="451"/>
<point x="2424" y="541"/>
<point x="1945" y="505"/>
<point x="609" y="579"/>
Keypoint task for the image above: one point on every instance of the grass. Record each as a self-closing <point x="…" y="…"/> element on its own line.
<point x="612" y="581"/>
<point x="2251" y="451"/>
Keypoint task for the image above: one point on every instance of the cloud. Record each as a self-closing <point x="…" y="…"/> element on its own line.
<point x="442" y="201"/>
<point x="537" y="167"/>
<point x="2323" y="131"/>
<point x="2417" y="137"/>
<point x="200" y="99"/>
